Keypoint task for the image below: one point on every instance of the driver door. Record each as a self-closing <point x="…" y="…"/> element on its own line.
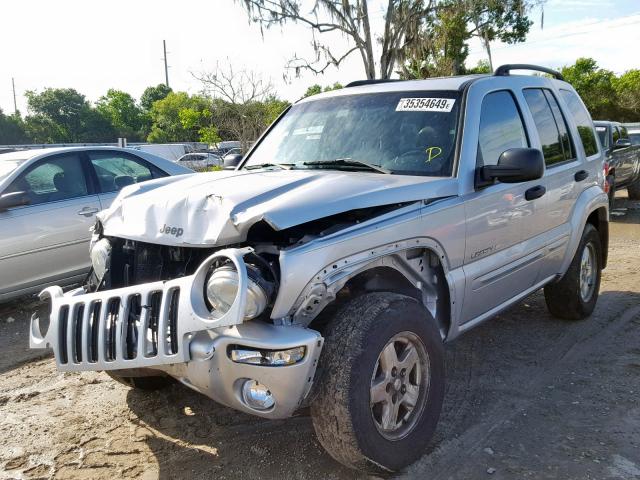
<point x="497" y="264"/>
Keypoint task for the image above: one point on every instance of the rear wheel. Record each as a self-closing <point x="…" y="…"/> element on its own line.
<point x="382" y="383"/>
<point x="574" y="297"/>
<point x="634" y="190"/>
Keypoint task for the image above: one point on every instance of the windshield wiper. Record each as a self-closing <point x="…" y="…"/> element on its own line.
<point x="283" y="166"/>
<point x="347" y="162"/>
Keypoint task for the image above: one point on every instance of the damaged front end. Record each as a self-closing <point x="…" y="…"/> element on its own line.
<point x="197" y="315"/>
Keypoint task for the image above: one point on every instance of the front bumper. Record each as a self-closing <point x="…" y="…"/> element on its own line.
<point x="174" y="331"/>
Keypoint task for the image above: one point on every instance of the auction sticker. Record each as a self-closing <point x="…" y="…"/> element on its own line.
<point x="425" y="104"/>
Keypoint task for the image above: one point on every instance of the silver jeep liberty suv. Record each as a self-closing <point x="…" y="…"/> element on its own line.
<point x="366" y="227"/>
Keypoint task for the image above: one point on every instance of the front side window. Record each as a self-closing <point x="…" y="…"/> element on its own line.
<point x="116" y="170"/>
<point x="501" y="127"/>
<point x="552" y="130"/>
<point x="409" y="133"/>
<point x="624" y="133"/>
<point x="635" y="138"/>
<point x="52" y="179"/>
<point x="583" y="121"/>
<point x="616" y="135"/>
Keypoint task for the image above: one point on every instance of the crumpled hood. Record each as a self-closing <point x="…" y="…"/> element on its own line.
<point x="218" y="208"/>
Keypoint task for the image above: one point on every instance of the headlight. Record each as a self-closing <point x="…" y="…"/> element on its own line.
<point x="101" y="257"/>
<point x="222" y="288"/>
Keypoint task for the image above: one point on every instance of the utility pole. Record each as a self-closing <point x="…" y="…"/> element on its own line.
<point x="166" y="67"/>
<point x="15" y="104"/>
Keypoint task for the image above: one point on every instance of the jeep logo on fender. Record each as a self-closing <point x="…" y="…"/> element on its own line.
<point x="176" y="231"/>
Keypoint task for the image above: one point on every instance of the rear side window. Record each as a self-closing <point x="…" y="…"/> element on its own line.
<point x="552" y="129"/>
<point x="116" y="170"/>
<point x="501" y="127"/>
<point x="583" y="121"/>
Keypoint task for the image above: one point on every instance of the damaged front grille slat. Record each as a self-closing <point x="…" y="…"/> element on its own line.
<point x="120" y="335"/>
<point x="63" y="325"/>
<point x="85" y="333"/>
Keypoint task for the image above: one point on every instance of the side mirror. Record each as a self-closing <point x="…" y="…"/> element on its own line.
<point x="622" y="143"/>
<point x="231" y="161"/>
<point x="13" y="199"/>
<point x="514" y="166"/>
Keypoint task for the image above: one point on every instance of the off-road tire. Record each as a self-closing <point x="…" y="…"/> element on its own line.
<point x="563" y="298"/>
<point x="340" y="408"/>
<point x="634" y="190"/>
<point x="149" y="383"/>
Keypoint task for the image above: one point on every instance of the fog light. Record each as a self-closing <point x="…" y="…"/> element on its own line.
<point x="257" y="396"/>
<point x="274" y="358"/>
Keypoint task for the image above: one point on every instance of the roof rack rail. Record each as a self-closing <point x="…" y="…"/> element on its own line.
<point x="359" y="83"/>
<point x="503" y="70"/>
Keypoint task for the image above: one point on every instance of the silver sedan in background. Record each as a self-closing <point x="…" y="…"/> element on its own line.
<point x="48" y="201"/>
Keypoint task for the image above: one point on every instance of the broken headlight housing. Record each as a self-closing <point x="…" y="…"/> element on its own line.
<point x="221" y="288"/>
<point x="100" y="258"/>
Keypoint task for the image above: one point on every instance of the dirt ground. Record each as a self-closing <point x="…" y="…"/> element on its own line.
<point x="528" y="396"/>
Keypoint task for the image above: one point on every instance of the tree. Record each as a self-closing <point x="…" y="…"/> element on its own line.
<point x="594" y="85"/>
<point x="402" y="22"/>
<point x="442" y="45"/>
<point x="61" y="115"/>
<point x="12" y="129"/>
<point x="123" y="113"/>
<point x="153" y="94"/>
<point x="627" y="87"/>
<point x="316" y="89"/>
<point x="180" y="118"/>
<point x="243" y="103"/>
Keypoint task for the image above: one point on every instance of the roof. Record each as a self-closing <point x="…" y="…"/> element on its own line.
<point x="440" y="83"/>
<point x="35" y="152"/>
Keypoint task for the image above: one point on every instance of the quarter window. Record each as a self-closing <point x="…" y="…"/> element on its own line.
<point x="52" y="179"/>
<point x="616" y="135"/>
<point x="583" y="121"/>
<point x="552" y="130"/>
<point x="116" y="170"/>
<point x="501" y="127"/>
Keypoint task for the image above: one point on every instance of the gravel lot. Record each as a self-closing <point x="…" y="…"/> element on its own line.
<point x="528" y="396"/>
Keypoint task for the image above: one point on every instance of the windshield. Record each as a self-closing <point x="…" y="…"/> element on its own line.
<point x="402" y="132"/>
<point x="604" y="138"/>
<point x="635" y="138"/>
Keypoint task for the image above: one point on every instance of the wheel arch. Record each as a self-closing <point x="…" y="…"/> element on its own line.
<point x="419" y="273"/>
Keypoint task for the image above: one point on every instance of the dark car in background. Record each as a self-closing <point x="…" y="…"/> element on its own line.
<point x="622" y="161"/>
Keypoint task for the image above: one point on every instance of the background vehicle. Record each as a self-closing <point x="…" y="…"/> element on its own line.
<point x="48" y="201"/>
<point x="368" y="226"/>
<point x="168" y="151"/>
<point x="622" y="158"/>
<point x="200" y="161"/>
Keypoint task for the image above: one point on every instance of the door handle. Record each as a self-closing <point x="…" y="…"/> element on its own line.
<point x="581" y="175"/>
<point x="535" y="192"/>
<point x="88" y="211"/>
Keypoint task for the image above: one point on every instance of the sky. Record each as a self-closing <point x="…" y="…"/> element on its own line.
<point x="93" y="46"/>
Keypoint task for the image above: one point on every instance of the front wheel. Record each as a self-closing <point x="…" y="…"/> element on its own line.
<point x="381" y="385"/>
<point x="574" y="297"/>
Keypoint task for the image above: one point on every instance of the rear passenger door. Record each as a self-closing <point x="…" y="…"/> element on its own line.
<point x="564" y="177"/>
<point x="115" y="170"/>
